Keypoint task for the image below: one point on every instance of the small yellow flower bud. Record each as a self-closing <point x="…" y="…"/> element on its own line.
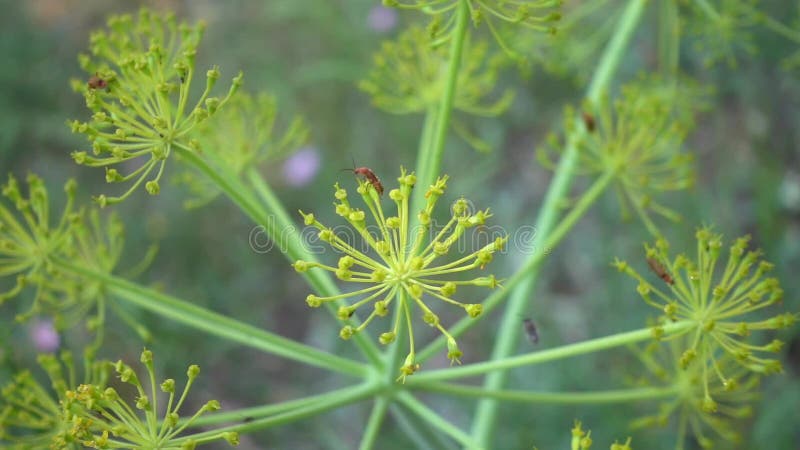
<point x="474" y="310"/>
<point x="387" y="338"/>
<point x="347" y="332"/>
<point x="313" y="301"/>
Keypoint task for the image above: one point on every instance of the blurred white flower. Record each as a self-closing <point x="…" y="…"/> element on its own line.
<point x="301" y="168"/>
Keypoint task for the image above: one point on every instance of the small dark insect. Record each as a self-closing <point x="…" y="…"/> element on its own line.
<point x="370" y="176"/>
<point x="95" y="82"/>
<point x="530" y="330"/>
<point x="659" y="270"/>
<point x="247" y="419"/>
<point x="588" y="120"/>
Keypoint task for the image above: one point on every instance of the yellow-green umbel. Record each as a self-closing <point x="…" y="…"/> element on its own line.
<point x="403" y="268"/>
<point x="719" y="303"/>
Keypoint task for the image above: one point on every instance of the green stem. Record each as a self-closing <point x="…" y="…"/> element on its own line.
<point x="669" y="41"/>
<point x="563" y="398"/>
<point x="418" y="197"/>
<point x="509" y="329"/>
<point x="434" y="419"/>
<point x="260" y="412"/>
<point x="284" y="233"/>
<point x="418" y="431"/>
<point x="353" y="394"/>
<point x="431" y="160"/>
<point x="492" y="301"/>
<point x="215" y="324"/>
<point x="374" y="423"/>
<point x="566" y="351"/>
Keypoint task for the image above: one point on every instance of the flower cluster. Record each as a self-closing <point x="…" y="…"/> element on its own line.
<point x="31" y="417"/>
<point x="719" y="305"/>
<point x="141" y="72"/>
<point x="243" y="135"/>
<point x="720" y="29"/>
<point x="401" y="271"/>
<point x="101" y="418"/>
<point x="33" y="250"/>
<point x="538" y="15"/>
<point x="698" y="407"/>
<point x="637" y="139"/>
<point x="407" y="77"/>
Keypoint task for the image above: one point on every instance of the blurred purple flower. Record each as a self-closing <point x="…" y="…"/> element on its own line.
<point x="382" y="19"/>
<point x="44" y="336"/>
<point x="300" y="168"/>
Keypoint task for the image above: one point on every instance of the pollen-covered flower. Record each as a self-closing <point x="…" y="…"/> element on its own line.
<point x="32" y="415"/>
<point x="720" y="303"/>
<point x="537" y="15"/>
<point x="141" y="73"/>
<point x="407" y="77"/>
<point x="404" y="269"/>
<point x="103" y="418"/>
<point x="637" y="139"/>
<point x="243" y="135"/>
<point x="701" y="407"/>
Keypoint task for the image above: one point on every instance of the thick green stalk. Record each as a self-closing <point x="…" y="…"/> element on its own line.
<point x="561" y="398"/>
<point x="428" y="163"/>
<point x="554" y="354"/>
<point x="283" y="231"/>
<point x="215" y="324"/>
<point x="435" y="420"/>
<point x="374" y="423"/>
<point x="509" y="330"/>
<point x="564" y="225"/>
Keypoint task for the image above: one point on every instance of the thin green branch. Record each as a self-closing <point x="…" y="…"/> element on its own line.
<point x="374" y="423"/>
<point x="434" y="419"/>
<point x="215" y="324"/>
<point x="509" y="329"/>
<point x="562" y="398"/>
<point x="529" y="359"/>
<point x="355" y="394"/>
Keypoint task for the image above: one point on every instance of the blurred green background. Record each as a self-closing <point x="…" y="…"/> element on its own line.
<point x="310" y="54"/>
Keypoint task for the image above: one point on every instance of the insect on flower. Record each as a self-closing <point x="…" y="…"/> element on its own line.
<point x="588" y="120"/>
<point x="659" y="270"/>
<point x="530" y="330"/>
<point x="370" y="176"/>
<point x="95" y="82"/>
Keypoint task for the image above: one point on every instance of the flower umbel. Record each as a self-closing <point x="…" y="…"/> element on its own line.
<point x="720" y="305"/>
<point x="406" y="77"/>
<point x="402" y="270"/>
<point x="699" y="405"/>
<point x="111" y="423"/>
<point x="637" y="139"/>
<point x="243" y="135"/>
<point x="31" y="417"/>
<point x="141" y="108"/>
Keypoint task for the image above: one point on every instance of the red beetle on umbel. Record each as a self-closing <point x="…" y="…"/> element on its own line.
<point x="367" y="173"/>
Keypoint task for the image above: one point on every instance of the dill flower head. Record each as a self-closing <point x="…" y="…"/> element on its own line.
<point x="406" y="78"/>
<point x="102" y="418"/>
<point x="29" y="242"/>
<point x="719" y="303"/>
<point x="720" y="29"/>
<point x="403" y="269"/>
<point x="141" y="72"/>
<point x="31" y="415"/>
<point x="701" y="408"/>
<point x="32" y="249"/>
<point x="244" y="134"/>
<point x="582" y="440"/>
<point x="637" y="139"/>
<point x="537" y="15"/>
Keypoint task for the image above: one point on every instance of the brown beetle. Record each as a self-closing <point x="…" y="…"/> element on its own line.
<point x="588" y="120"/>
<point x="95" y="82"/>
<point x="659" y="270"/>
